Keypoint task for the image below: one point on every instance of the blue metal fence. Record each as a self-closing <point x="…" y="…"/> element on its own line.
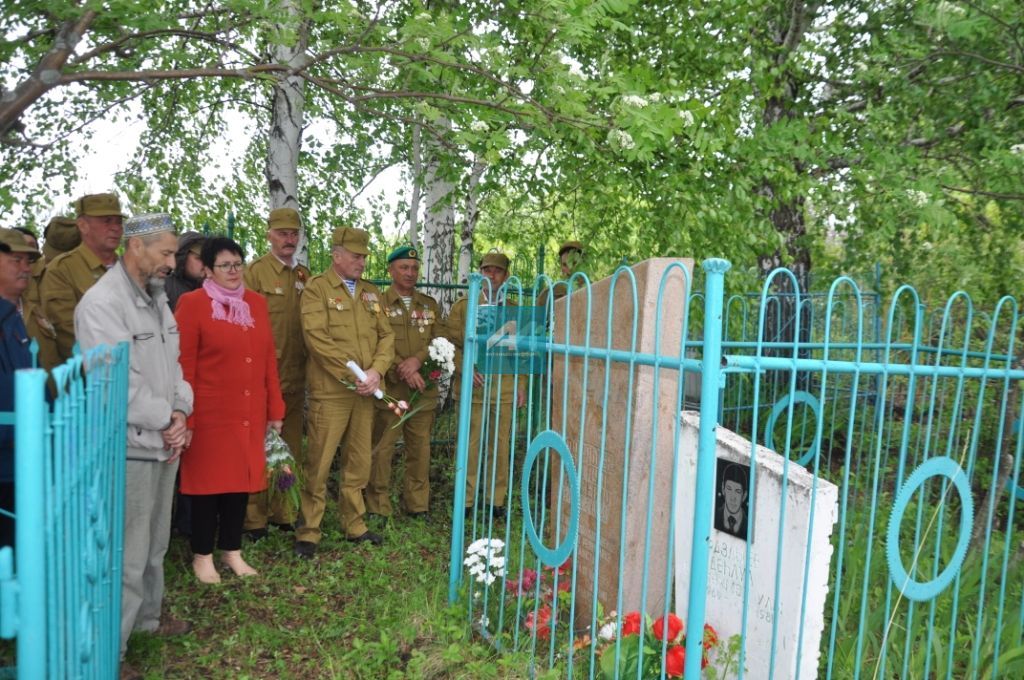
<point x="62" y="601"/>
<point x="882" y="448"/>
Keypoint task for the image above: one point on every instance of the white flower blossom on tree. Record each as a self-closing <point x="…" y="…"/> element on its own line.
<point x="635" y="101"/>
<point x="687" y="117"/>
<point x="479" y="126"/>
<point x="917" y="197"/>
<point x="1017" y="149"/>
<point x="620" y="139"/>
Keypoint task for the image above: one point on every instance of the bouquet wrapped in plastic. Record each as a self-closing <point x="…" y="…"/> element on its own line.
<point x="282" y="470"/>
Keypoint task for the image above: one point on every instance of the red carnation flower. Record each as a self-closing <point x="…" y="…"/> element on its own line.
<point x="435" y="374"/>
<point x="710" y="637"/>
<point x="668" y="630"/>
<point x="631" y="624"/>
<point x="541" y="622"/>
<point x="675" y="660"/>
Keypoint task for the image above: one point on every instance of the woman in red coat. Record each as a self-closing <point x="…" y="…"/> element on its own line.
<point x="227" y="355"/>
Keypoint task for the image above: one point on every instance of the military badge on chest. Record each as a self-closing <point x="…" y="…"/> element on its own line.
<point x="421" y="319"/>
<point x="338" y="303"/>
<point x="371" y="302"/>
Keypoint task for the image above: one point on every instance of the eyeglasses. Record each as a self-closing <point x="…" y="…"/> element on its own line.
<point x="230" y="266"/>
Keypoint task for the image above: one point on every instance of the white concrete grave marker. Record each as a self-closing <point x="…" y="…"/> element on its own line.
<point x="726" y="568"/>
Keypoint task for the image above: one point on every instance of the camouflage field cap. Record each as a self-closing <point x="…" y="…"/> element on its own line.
<point x="12" y="241"/>
<point x="98" y="205"/>
<point x="283" y="218"/>
<point x="495" y="258"/>
<point x="351" y="239"/>
<point x="60" y="236"/>
<point x="570" y="245"/>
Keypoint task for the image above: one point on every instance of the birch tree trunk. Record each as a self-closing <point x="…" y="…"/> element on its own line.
<point x="284" y="140"/>
<point x="469" y="220"/>
<point x="417" y="171"/>
<point x="438" y="219"/>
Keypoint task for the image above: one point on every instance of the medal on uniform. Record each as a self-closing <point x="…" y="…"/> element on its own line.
<point x="277" y="288"/>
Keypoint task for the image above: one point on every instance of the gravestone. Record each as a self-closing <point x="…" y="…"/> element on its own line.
<point x="726" y="567"/>
<point x="634" y="430"/>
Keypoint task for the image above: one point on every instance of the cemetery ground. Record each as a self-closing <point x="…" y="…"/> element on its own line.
<point x="352" y="612"/>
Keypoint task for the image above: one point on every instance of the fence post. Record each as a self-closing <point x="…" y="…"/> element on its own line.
<point x="704" y="494"/>
<point x="29" y="511"/>
<point x="462" y="448"/>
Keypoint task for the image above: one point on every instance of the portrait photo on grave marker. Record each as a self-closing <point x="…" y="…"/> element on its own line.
<point x="732" y="498"/>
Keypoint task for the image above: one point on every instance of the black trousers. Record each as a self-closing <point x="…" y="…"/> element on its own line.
<point x="218" y="515"/>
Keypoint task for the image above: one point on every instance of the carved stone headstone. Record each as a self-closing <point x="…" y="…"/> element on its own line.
<point x="804" y="548"/>
<point x="631" y="419"/>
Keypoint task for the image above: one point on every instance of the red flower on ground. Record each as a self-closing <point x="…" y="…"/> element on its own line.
<point x="527" y="579"/>
<point x="670" y="631"/>
<point x="541" y="622"/>
<point x="675" y="660"/>
<point x="631" y="624"/>
<point x="710" y="637"/>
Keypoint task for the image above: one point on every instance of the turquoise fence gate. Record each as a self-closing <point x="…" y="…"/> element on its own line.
<point x="791" y="486"/>
<point x="62" y="599"/>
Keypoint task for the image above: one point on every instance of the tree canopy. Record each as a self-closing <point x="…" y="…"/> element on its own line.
<point x="825" y="136"/>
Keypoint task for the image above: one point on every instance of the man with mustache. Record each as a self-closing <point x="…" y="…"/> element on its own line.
<point x="16" y="258"/>
<point x="100" y="222"/>
<point x="280" y="278"/>
<point x="129" y="305"/>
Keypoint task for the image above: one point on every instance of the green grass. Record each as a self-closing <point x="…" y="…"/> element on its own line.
<point x="352" y="612"/>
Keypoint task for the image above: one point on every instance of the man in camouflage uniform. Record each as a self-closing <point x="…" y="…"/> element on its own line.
<point x="501" y="393"/>
<point x="342" y="321"/>
<point x="414" y="317"/>
<point x="281" y="279"/>
<point x="99" y="220"/>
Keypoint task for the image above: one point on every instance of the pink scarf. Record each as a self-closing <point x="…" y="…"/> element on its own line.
<point x="237" y="308"/>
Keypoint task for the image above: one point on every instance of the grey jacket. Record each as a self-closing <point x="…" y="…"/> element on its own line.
<point x="115" y="310"/>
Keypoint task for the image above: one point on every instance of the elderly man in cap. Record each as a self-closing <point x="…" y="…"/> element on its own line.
<point x="501" y="393"/>
<point x="343" y="322"/>
<point x="188" y="271"/>
<point x="414" y="317"/>
<point x="129" y="305"/>
<point x="69" y="275"/>
<point x="39" y="327"/>
<point x="280" y="278"/>
<point x="16" y="258"/>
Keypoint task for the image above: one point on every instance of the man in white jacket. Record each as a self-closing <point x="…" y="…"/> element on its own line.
<point x="129" y="305"/>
